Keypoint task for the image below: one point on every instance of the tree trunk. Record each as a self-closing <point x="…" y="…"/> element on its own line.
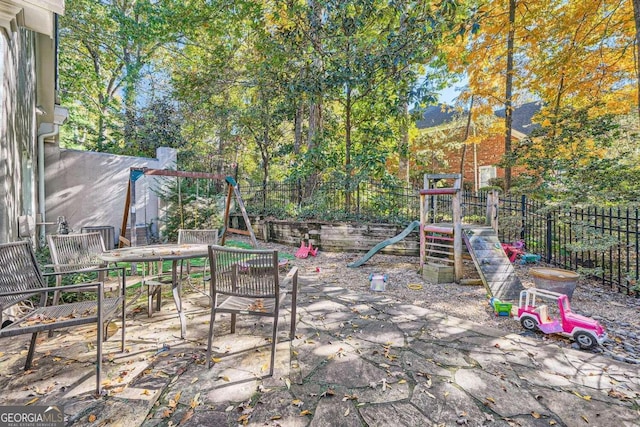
<point x="347" y="143"/>
<point x="297" y="126"/>
<point x="467" y="130"/>
<point x="315" y="107"/>
<point x="636" y="16"/>
<point x="508" y="105"/>
<point x="403" y="148"/>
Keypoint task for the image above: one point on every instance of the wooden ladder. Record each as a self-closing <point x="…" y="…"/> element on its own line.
<point x="441" y="243"/>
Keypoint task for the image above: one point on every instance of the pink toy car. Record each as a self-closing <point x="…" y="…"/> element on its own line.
<point x="587" y="332"/>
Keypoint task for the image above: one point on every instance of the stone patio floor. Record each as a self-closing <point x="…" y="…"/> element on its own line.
<point x="358" y="359"/>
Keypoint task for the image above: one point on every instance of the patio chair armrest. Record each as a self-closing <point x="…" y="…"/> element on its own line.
<point x="291" y="277"/>
<point x="81" y="268"/>
<point x="98" y="285"/>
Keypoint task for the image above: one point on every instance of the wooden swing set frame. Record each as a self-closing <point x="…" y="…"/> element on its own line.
<point x="232" y="190"/>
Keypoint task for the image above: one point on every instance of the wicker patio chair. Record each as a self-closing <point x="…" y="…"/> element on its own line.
<point x="22" y="279"/>
<point x="247" y="282"/>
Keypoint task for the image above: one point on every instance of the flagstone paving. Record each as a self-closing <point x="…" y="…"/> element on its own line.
<point x="358" y="359"/>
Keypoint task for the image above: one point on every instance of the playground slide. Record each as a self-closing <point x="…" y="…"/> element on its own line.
<point x="384" y="244"/>
<point x="493" y="265"/>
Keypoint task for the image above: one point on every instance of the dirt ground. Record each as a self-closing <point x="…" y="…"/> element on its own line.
<point x="618" y="313"/>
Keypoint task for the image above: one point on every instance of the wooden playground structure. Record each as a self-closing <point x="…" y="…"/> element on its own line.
<point x="441" y="248"/>
<point x="129" y="214"/>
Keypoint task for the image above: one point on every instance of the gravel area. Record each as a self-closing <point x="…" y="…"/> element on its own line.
<point x="618" y="313"/>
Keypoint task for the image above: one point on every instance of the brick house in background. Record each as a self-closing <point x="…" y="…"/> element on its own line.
<point x="481" y="159"/>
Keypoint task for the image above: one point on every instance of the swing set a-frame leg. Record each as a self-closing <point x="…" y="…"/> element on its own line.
<point x="233" y="190"/>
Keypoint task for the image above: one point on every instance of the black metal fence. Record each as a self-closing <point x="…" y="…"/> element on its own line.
<point x="600" y="242"/>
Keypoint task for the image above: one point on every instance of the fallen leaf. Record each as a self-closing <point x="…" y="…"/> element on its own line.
<point x="617" y="394"/>
<point x="297" y="402"/>
<point x="276" y="417"/>
<point x="492" y="400"/>
<point x="216" y="359"/>
<point x="346" y="412"/>
<point x="402" y="381"/>
<point x="585" y="418"/>
<point x="32" y="401"/>
<point x="224" y="378"/>
<point x="305" y="412"/>
<point x="287" y="381"/>
<point x="187" y="416"/>
<point x="194" y="380"/>
<point x="167" y="413"/>
<point x="552" y="423"/>
<point x="229" y="408"/>
<point x="145" y="392"/>
<point x="195" y="401"/>
<point x="535" y="415"/>
<point x="92" y="418"/>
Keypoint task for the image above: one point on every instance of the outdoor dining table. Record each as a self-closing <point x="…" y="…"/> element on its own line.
<point x="159" y="253"/>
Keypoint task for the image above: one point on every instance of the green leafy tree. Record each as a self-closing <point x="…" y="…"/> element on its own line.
<point x="105" y="47"/>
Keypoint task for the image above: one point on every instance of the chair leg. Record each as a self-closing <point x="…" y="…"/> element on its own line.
<point x="99" y="339"/>
<point x="124" y="313"/>
<point x="294" y="316"/>
<point x="274" y="343"/>
<point x="153" y="291"/>
<point x="150" y="292"/>
<point x="233" y="323"/>
<point x="210" y="342"/>
<point x="32" y="348"/>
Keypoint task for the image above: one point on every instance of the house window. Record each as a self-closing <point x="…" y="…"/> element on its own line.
<point x="486" y="173"/>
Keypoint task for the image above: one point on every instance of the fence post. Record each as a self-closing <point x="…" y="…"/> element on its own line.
<point x="548" y="236"/>
<point x="523" y="208"/>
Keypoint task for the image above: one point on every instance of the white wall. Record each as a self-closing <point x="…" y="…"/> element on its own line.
<point x="90" y="189"/>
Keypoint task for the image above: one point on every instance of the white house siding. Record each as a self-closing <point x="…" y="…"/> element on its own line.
<point x="17" y="131"/>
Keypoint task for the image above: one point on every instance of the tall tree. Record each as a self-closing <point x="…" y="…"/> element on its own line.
<point x="508" y="92"/>
<point x="104" y="47"/>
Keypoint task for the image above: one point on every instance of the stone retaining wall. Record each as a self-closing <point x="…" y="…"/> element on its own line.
<point x="332" y="237"/>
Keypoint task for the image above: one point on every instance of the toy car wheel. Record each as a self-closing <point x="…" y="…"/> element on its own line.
<point x="529" y="323"/>
<point x="585" y="340"/>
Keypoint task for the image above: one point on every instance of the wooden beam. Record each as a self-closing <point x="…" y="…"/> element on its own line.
<point x="182" y="174"/>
